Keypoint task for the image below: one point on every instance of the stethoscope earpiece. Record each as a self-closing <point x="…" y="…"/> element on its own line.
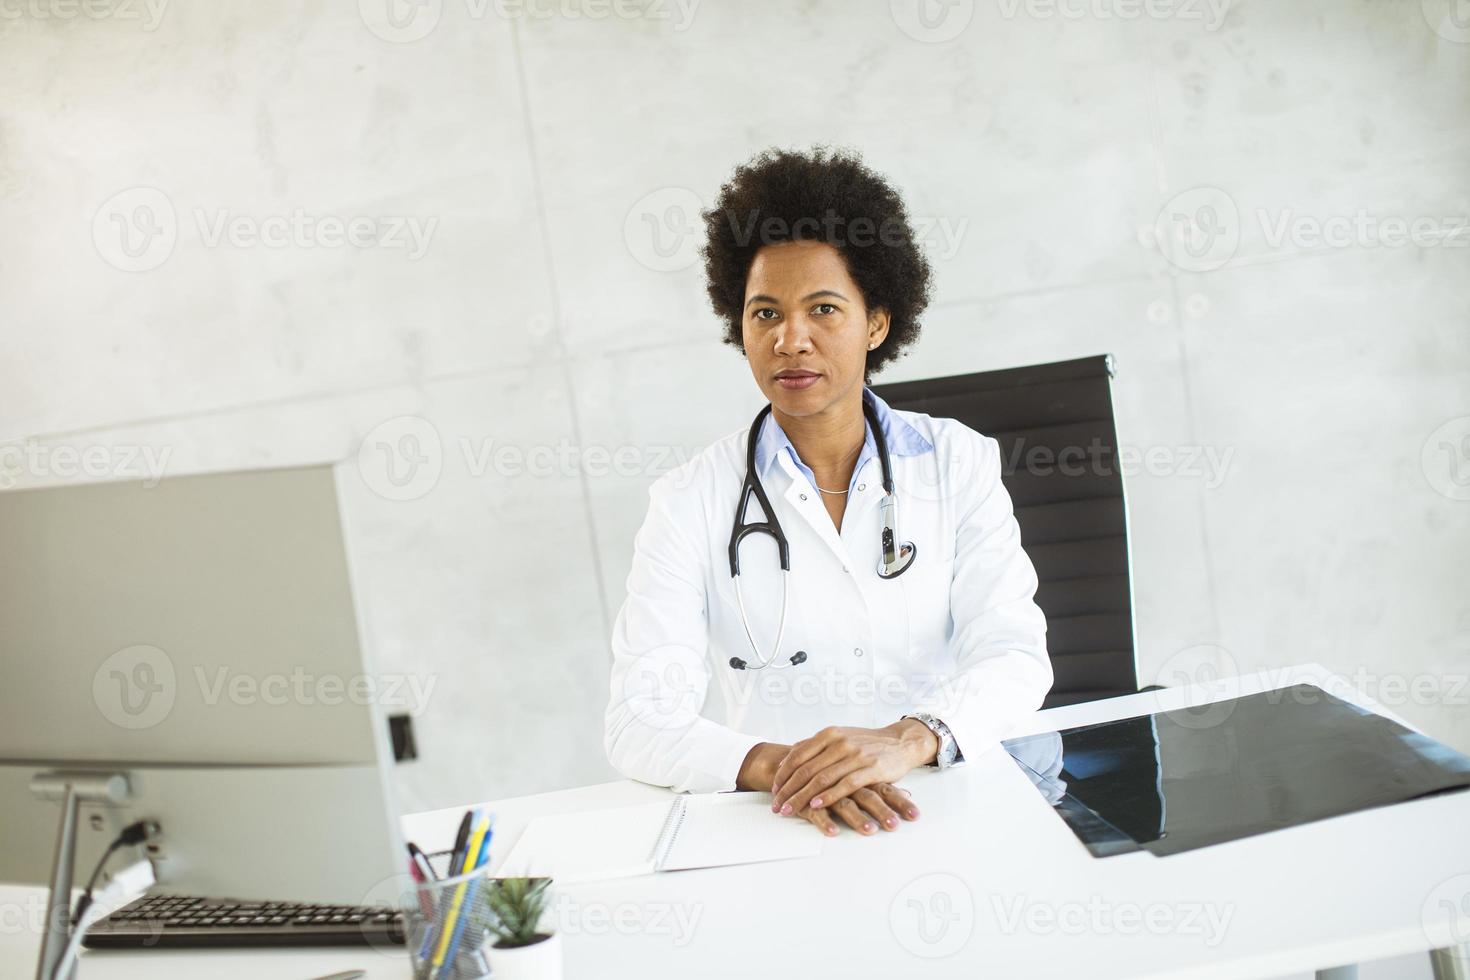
<point x="798" y="658"/>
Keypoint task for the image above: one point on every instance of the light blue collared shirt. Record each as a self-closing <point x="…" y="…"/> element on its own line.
<point x="903" y="440"/>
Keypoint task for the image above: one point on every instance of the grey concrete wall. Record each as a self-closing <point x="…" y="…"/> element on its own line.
<point x="453" y="244"/>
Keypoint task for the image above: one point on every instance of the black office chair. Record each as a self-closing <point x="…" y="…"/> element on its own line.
<point x="1070" y="509"/>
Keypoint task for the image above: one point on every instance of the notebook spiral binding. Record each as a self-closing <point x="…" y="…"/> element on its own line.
<point x="670" y="832"/>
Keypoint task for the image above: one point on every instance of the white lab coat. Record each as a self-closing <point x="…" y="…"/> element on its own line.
<point x="958" y="634"/>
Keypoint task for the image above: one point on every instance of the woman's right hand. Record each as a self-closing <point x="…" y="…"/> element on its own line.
<point x="881" y="805"/>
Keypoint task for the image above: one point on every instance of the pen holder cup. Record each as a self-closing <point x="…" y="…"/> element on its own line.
<point x="448" y="927"/>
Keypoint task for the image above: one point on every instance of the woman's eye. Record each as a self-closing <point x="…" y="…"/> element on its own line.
<point x="825" y="309"/>
<point x="761" y="314"/>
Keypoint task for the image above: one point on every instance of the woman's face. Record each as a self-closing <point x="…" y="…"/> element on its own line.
<point x="805" y="327"/>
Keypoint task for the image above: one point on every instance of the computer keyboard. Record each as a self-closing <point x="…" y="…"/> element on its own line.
<point x="162" y="921"/>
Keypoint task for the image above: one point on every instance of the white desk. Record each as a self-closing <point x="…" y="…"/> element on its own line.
<point x="1009" y="891"/>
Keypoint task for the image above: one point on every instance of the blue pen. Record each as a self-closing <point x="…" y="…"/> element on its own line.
<point x="469" y="904"/>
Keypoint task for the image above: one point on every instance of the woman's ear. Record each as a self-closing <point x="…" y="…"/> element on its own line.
<point x="877" y="327"/>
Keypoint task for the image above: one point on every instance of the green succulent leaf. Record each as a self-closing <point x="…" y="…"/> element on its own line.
<point x="516" y="907"/>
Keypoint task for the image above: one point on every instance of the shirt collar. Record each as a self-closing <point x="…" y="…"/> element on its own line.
<point x="903" y="439"/>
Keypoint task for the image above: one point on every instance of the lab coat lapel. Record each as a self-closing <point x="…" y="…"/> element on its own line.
<point x="811" y="509"/>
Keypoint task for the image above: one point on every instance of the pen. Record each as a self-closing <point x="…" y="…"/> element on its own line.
<point x="451" y="917"/>
<point x="421" y="859"/>
<point x="474" y="889"/>
<point x="461" y="839"/>
<point x="421" y="877"/>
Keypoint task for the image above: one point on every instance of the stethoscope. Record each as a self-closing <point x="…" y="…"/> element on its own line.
<point x="895" y="559"/>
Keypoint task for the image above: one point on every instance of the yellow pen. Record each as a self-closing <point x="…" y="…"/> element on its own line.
<point x="446" y="928"/>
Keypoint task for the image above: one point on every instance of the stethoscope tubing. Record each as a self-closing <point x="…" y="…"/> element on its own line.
<point x="893" y="551"/>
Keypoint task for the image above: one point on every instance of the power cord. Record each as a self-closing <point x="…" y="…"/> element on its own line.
<point x="134" y="833"/>
<point x="135" y="878"/>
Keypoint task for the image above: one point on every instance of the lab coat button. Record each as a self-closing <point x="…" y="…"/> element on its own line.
<point x="862" y="487"/>
<point x="803" y="496"/>
<point x="857" y="651"/>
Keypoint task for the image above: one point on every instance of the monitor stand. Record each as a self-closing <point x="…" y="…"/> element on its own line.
<point x="72" y="789"/>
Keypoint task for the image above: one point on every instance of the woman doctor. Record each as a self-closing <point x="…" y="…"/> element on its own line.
<point x="826" y="683"/>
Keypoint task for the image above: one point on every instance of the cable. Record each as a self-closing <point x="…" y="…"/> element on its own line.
<point x="136" y="877"/>
<point x="134" y="833"/>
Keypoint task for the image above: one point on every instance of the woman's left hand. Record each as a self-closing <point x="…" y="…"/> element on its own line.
<point x="836" y="762"/>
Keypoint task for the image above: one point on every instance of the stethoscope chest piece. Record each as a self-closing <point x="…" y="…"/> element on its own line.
<point x="896" y="558"/>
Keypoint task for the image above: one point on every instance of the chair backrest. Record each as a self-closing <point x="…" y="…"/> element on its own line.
<point x="1059" y="450"/>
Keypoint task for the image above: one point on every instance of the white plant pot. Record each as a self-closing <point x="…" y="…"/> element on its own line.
<point x="539" y="961"/>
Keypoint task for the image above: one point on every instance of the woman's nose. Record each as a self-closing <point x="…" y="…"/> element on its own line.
<point x="793" y="336"/>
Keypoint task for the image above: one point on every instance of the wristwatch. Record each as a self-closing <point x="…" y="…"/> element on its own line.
<point x="949" y="751"/>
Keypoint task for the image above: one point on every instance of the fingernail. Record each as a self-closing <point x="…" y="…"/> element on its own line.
<point x="816" y="803"/>
<point x="868" y="828"/>
<point x="830" y="831"/>
<point x="891" y="822"/>
<point x="913" y="813"/>
<point x="775" y="808"/>
<point x="786" y="808"/>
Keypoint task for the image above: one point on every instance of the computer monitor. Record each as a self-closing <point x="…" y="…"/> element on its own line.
<point x="198" y="635"/>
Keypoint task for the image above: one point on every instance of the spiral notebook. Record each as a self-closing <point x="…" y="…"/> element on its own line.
<point x="697" y="831"/>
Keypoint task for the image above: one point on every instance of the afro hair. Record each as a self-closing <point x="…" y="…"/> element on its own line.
<point x="827" y="196"/>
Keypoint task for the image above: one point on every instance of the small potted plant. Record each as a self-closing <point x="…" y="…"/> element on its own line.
<point x="521" y="951"/>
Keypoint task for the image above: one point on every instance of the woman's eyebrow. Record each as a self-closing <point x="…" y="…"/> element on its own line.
<point x="763" y="298"/>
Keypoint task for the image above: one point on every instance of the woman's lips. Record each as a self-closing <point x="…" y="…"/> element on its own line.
<point x="796" y="382"/>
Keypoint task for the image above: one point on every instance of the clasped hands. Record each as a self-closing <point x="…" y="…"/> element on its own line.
<point x="846" y="772"/>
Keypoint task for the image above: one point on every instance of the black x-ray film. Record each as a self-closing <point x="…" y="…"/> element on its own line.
<point x="1193" y="777"/>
